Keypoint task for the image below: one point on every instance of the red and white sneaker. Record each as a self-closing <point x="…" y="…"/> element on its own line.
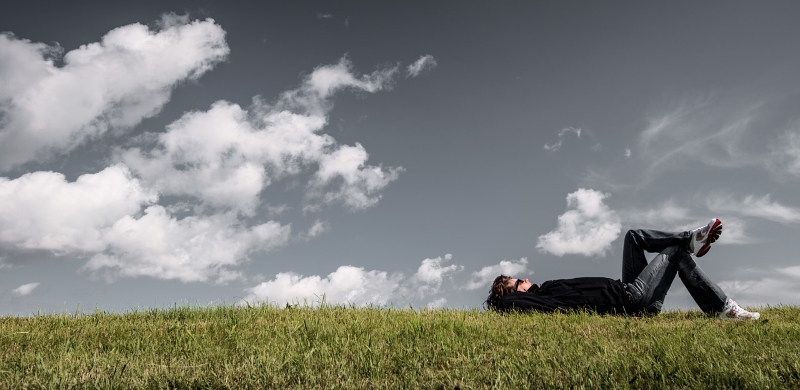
<point x="703" y="237"/>
<point x="733" y="311"/>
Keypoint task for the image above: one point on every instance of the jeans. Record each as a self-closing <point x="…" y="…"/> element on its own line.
<point x="647" y="284"/>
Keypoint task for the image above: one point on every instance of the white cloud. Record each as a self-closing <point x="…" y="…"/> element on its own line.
<point x="753" y="206"/>
<point x="318" y="228"/>
<point x="346" y="285"/>
<point x="324" y="16"/>
<point x="588" y="227"/>
<point x="354" y="285"/>
<point x="41" y="210"/>
<point x="361" y="185"/>
<point x="561" y="133"/>
<point x="192" y="249"/>
<point x="25" y="289"/>
<point x="484" y="277"/>
<point x="428" y="278"/>
<point x="111" y="84"/>
<point x="208" y="169"/>
<point x="627" y="153"/>
<point x="436" y="304"/>
<point x="227" y="155"/>
<point x="780" y="286"/>
<point x="423" y="64"/>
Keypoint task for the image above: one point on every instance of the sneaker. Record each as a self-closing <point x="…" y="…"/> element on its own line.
<point x="732" y="311"/>
<point x="703" y="237"/>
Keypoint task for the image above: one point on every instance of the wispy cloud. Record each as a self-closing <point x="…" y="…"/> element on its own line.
<point x="672" y="215"/>
<point x="755" y="206"/>
<point x="424" y="64"/>
<point x="777" y="286"/>
<point x="587" y="228"/>
<point x="321" y="15"/>
<point x="785" y="154"/>
<point x="698" y="130"/>
<point x="666" y="215"/>
<point x="627" y="153"/>
<point x="561" y="133"/>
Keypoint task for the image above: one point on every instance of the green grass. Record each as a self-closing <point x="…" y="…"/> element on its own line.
<point x="339" y="347"/>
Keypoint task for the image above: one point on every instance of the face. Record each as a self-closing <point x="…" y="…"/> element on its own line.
<point x="521" y="284"/>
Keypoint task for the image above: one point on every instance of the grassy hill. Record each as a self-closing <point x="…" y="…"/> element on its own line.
<point x="339" y="347"/>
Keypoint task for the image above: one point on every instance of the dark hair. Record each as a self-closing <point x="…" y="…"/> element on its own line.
<point x="500" y="288"/>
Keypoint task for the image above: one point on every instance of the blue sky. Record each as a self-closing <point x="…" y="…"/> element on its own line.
<point x="389" y="154"/>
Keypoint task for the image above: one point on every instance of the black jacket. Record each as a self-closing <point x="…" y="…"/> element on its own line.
<point x="602" y="295"/>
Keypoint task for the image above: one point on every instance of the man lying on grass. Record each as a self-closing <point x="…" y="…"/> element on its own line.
<point x="643" y="286"/>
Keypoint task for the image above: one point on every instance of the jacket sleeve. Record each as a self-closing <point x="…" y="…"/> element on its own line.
<point x="523" y="301"/>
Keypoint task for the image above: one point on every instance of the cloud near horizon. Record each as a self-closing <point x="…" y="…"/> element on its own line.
<point x="781" y="283"/>
<point x="357" y="286"/>
<point x="128" y="76"/>
<point x="587" y="228"/>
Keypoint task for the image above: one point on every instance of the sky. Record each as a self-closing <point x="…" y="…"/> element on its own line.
<point x="394" y="154"/>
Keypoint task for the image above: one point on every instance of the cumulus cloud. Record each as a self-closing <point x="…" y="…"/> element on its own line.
<point x="561" y="133"/>
<point x="428" y="278"/>
<point x="111" y="84"/>
<point x="355" y="285"/>
<point x="192" y="249"/>
<point x="221" y="160"/>
<point x="627" y="153"/>
<point x="588" y="227"/>
<point x="754" y="206"/>
<point x="346" y="285"/>
<point x="226" y="156"/>
<point x="424" y="64"/>
<point x="42" y="210"/>
<point x="25" y="289"/>
<point x="484" y="277"/>
<point x="182" y="204"/>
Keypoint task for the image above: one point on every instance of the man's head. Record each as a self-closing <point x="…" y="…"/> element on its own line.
<point x="503" y="285"/>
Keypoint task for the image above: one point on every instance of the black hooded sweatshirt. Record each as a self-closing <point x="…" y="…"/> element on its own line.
<point x="602" y="295"/>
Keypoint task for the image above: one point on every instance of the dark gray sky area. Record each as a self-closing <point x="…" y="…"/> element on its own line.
<point x="388" y="153"/>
